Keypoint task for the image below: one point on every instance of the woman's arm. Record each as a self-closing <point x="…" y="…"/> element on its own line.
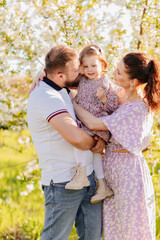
<point x="90" y="121"/>
<point x="40" y="75"/>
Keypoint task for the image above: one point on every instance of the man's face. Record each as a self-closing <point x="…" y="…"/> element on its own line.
<point x="72" y="72"/>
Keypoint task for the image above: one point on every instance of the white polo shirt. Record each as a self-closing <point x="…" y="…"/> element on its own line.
<point x="56" y="155"/>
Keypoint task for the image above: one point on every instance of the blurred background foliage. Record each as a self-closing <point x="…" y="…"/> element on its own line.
<point x="28" y="29"/>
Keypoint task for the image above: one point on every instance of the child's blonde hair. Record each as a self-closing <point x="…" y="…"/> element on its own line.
<point x="94" y="50"/>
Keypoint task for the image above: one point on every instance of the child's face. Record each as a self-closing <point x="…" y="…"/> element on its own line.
<point x="92" y="67"/>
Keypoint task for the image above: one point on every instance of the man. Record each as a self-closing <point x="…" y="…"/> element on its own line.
<point x="51" y="121"/>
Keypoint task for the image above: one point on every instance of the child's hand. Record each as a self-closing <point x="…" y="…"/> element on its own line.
<point x="101" y="95"/>
<point x="40" y="75"/>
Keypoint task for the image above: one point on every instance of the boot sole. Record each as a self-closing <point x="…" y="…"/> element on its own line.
<point x="99" y="200"/>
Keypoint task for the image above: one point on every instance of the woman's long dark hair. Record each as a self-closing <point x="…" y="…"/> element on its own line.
<point x="146" y="71"/>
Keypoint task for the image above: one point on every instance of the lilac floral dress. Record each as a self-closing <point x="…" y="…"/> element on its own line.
<point x="86" y="98"/>
<point x="130" y="213"/>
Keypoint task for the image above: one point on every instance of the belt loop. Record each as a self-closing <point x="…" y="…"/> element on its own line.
<point x="52" y="188"/>
<point x="51" y="183"/>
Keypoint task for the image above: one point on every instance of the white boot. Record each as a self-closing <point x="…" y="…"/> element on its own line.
<point x="102" y="191"/>
<point x="79" y="180"/>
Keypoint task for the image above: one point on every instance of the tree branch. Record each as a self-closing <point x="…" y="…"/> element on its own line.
<point x="141" y="25"/>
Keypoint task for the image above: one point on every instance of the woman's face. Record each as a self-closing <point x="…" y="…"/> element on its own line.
<point x="121" y="77"/>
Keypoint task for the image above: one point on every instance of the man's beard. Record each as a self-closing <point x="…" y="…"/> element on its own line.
<point x="73" y="84"/>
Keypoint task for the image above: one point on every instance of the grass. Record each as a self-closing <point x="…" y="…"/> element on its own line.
<point x="21" y="197"/>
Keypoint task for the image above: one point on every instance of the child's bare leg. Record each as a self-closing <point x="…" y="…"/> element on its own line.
<point x="80" y="178"/>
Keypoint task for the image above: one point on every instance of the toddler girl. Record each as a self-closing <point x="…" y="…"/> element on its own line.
<point x="96" y="94"/>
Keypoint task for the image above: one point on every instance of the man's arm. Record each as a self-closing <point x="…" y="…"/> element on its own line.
<point x="69" y="130"/>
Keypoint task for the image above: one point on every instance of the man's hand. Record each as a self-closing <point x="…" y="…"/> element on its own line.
<point x="100" y="146"/>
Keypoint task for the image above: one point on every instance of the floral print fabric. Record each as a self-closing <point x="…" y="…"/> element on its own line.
<point x="86" y="98"/>
<point x="130" y="213"/>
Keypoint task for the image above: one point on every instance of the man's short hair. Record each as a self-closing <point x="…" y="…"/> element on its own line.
<point x="57" y="58"/>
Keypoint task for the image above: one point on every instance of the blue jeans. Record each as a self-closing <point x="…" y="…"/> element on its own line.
<point x="63" y="207"/>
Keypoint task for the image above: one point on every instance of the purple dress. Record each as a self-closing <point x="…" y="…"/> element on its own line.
<point x="86" y="98"/>
<point x="130" y="213"/>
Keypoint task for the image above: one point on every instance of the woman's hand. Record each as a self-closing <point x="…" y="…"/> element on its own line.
<point x="40" y="75"/>
<point x="100" y="146"/>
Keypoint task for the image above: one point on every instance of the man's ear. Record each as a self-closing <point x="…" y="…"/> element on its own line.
<point x="61" y="76"/>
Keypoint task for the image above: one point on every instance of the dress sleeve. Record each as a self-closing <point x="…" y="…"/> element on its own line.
<point x="131" y="126"/>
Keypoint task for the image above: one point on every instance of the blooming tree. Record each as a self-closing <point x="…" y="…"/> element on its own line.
<point x="28" y="29"/>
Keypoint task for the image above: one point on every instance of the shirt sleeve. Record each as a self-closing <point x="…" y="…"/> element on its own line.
<point x="50" y="104"/>
<point x="131" y="126"/>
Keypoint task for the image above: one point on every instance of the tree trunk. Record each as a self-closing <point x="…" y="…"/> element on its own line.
<point x="141" y="25"/>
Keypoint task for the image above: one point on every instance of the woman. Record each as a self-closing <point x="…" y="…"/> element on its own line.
<point x="130" y="213"/>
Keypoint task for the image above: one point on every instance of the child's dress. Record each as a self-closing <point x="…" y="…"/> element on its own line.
<point x="86" y="98"/>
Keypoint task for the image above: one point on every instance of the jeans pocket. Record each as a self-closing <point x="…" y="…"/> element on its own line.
<point x="48" y="194"/>
<point x="92" y="187"/>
